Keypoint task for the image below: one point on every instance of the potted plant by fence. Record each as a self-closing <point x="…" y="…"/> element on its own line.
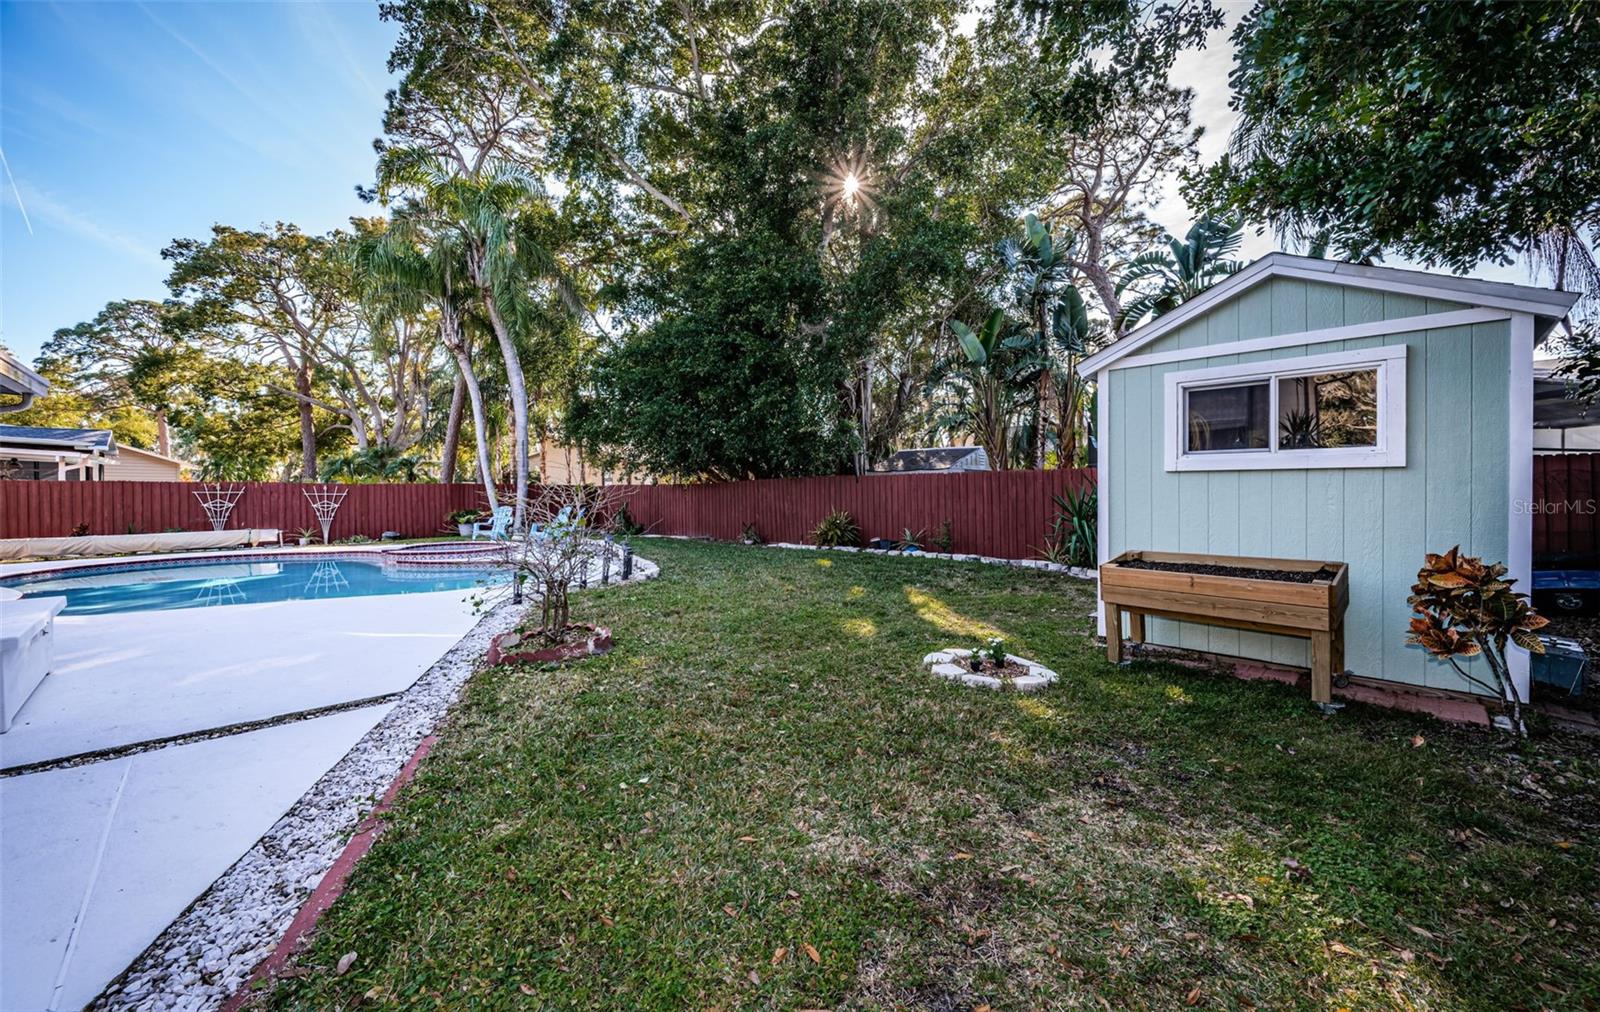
<point x="305" y="534"/>
<point x="567" y="541"/>
<point x="1466" y="609"/>
<point x="462" y="521"/>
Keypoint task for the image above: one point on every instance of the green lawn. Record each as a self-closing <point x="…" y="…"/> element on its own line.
<point x="761" y="771"/>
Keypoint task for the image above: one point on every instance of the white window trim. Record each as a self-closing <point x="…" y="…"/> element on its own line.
<point x="1390" y="451"/>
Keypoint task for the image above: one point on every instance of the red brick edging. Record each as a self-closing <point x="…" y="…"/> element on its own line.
<point x="333" y="882"/>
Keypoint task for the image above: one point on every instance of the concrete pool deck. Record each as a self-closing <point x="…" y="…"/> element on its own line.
<point x="138" y="676"/>
<point x="98" y="855"/>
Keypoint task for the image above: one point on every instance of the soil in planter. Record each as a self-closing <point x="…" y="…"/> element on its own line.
<point x="992" y="670"/>
<point x="1240" y="572"/>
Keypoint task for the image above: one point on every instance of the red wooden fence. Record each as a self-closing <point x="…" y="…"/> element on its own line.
<point x="999" y="513"/>
<point x="1565" y="515"/>
<point x="48" y="509"/>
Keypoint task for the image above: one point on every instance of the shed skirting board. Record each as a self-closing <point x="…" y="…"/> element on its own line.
<point x="1464" y="429"/>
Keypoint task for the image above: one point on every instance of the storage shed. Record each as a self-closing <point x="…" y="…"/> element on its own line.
<point x="1313" y="409"/>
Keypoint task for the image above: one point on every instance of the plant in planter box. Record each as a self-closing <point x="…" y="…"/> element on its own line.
<point x="305" y="534"/>
<point x="1465" y="608"/>
<point x="462" y="521"/>
<point x="837" y="528"/>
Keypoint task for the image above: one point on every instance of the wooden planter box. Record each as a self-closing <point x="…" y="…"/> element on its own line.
<point x="1313" y="611"/>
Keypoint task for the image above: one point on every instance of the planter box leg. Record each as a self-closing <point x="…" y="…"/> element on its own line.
<point x="1113" y="633"/>
<point x="1321" y="667"/>
<point x="1136" y="626"/>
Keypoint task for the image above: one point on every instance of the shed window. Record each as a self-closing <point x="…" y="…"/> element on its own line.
<point x="1236" y="417"/>
<point x="1345" y="409"/>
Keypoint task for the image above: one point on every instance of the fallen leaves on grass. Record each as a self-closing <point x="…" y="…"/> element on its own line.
<point x="811" y="952"/>
<point x="778" y="954"/>
<point x="346" y="961"/>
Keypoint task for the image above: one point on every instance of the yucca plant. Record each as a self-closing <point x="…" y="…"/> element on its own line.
<point x="837" y="528"/>
<point x="1465" y="608"/>
<point x="1073" y="536"/>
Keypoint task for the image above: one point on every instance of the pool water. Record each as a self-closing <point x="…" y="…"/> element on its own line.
<point x="206" y="585"/>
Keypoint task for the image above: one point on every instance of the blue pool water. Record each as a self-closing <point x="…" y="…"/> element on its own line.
<point x="204" y="585"/>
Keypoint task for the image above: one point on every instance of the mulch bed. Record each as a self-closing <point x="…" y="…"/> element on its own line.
<point x="1240" y="572"/>
<point x="1009" y="670"/>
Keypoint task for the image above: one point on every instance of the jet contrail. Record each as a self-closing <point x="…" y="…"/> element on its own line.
<point x="18" y="193"/>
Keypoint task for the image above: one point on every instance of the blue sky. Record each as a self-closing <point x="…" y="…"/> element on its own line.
<point x="126" y="125"/>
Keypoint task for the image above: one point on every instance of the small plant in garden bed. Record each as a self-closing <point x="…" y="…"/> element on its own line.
<point x="1467" y="609"/>
<point x="836" y="529"/>
<point x="990" y="659"/>
<point x="910" y="540"/>
<point x="944" y="539"/>
<point x="624" y="524"/>
<point x="1073" y="534"/>
<point x="750" y="536"/>
<point x="568" y="536"/>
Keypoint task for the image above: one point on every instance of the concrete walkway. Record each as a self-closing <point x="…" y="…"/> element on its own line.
<point x="97" y="858"/>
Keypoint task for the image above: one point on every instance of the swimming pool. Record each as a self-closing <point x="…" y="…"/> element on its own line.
<point x="167" y="586"/>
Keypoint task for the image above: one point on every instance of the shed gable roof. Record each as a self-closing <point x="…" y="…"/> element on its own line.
<point x="1548" y="304"/>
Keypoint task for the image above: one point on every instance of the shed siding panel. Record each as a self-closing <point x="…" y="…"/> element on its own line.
<point x="1293" y="305"/>
<point x="1381" y="521"/>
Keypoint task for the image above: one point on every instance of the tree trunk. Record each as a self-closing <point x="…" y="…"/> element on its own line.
<point x="308" y="426"/>
<point x="480" y="425"/>
<point x="452" y="432"/>
<point x="163" y="434"/>
<point x="519" y="397"/>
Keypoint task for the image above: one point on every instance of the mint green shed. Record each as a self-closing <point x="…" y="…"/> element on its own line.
<point x="1315" y="409"/>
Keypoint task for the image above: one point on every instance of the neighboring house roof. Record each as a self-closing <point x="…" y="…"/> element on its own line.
<point x="936" y="458"/>
<point x="1547" y="305"/>
<point x="139" y="451"/>
<point x="16" y="378"/>
<point x="77" y="440"/>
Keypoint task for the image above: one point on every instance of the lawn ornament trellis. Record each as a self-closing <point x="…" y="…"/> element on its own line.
<point x="218" y="502"/>
<point x="325" y="501"/>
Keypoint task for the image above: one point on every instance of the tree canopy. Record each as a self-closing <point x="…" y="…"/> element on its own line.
<point x="1449" y="133"/>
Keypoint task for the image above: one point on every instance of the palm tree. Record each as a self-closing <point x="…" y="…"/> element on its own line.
<point x="401" y="265"/>
<point x="1040" y="287"/>
<point x="376" y="463"/>
<point x="480" y="212"/>
<point x="988" y="385"/>
<point x="1185" y="269"/>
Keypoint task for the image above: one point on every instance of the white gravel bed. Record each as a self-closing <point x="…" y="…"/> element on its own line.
<point x="204" y="956"/>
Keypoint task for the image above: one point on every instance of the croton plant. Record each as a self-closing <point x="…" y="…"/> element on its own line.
<point x="1465" y="608"/>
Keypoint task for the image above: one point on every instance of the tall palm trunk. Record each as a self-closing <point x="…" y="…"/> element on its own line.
<point x="450" y="333"/>
<point x="452" y="432"/>
<point x="519" y="395"/>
